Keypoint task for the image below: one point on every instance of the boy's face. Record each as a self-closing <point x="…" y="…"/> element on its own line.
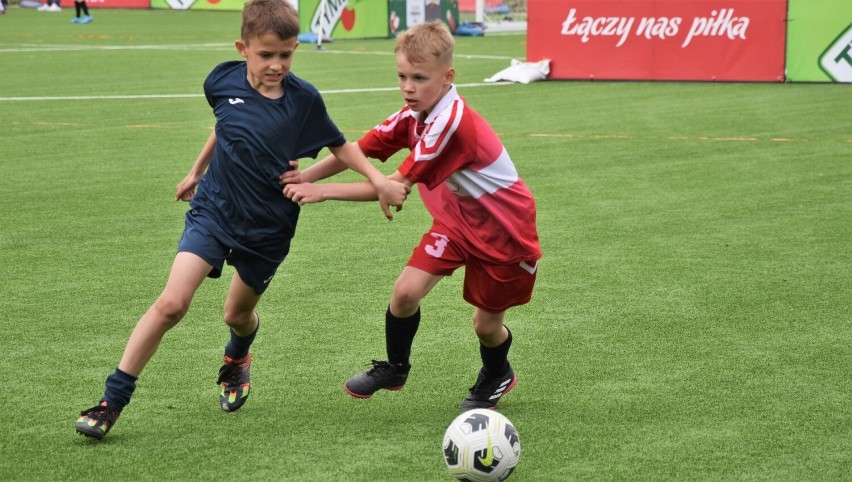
<point x="423" y="84"/>
<point x="269" y="59"/>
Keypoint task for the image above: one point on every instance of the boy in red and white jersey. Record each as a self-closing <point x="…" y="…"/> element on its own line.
<point x="484" y="214"/>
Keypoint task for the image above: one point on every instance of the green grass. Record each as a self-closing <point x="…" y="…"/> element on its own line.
<point x="691" y="319"/>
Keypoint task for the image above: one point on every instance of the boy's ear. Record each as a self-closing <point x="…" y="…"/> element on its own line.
<point x="241" y="47"/>
<point x="450" y="76"/>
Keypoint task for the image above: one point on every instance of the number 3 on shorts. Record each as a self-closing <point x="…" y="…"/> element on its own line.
<point x="437" y="248"/>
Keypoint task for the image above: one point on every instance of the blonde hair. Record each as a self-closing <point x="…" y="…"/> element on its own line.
<point x="423" y="40"/>
<point x="276" y="16"/>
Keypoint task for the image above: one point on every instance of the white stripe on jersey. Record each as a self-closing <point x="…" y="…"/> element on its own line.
<point x="390" y="123"/>
<point x="500" y="174"/>
<point x="440" y="131"/>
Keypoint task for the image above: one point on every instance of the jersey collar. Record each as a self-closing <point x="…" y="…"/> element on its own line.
<point x="442" y="104"/>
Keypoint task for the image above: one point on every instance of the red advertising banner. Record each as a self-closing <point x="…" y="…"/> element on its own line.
<point x="708" y="40"/>
<point x="468" y="6"/>
<point x="109" y="3"/>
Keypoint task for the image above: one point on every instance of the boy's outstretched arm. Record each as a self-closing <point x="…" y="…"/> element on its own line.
<point x="186" y="188"/>
<point x="326" y="167"/>
<point x="389" y="192"/>
<point x="306" y="192"/>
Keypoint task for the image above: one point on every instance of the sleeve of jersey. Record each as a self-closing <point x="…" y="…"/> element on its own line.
<point x="214" y="78"/>
<point x="447" y="146"/>
<point x="386" y="139"/>
<point x="318" y="131"/>
<point x="208" y="86"/>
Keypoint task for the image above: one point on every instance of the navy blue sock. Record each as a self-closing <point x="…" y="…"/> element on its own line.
<point x="119" y="388"/>
<point x="399" y="336"/>
<point x="238" y="346"/>
<point x="496" y="360"/>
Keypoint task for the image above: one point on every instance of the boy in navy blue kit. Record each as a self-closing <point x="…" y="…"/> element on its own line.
<point x="265" y="118"/>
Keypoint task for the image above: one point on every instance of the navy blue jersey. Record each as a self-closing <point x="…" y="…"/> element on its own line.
<point x="256" y="137"/>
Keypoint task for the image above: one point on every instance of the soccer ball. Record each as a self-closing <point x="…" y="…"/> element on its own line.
<point x="481" y="445"/>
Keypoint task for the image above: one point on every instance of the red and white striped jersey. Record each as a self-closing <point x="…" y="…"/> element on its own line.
<point x="465" y="177"/>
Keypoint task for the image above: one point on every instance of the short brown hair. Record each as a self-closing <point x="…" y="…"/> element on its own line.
<point x="263" y="16"/>
<point x="424" y="40"/>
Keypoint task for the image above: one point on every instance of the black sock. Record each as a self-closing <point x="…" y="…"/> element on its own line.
<point x="496" y="360"/>
<point x="119" y="388"/>
<point x="399" y="335"/>
<point x="238" y="346"/>
<point x="77" y="8"/>
<point x="85" y="8"/>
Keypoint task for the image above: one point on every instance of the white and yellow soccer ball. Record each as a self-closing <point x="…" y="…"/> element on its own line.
<point x="481" y="445"/>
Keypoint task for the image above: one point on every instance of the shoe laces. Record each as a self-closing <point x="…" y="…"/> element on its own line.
<point x="480" y="379"/>
<point x="381" y="366"/>
<point x="231" y="371"/>
<point x="385" y="368"/>
<point x="101" y="412"/>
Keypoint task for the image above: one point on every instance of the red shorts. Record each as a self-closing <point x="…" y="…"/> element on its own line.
<point x="489" y="286"/>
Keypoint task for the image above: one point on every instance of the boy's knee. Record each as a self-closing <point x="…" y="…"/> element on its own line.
<point x="412" y="287"/>
<point x="405" y="299"/>
<point x="488" y="326"/>
<point x="171" y="309"/>
<point x="487" y="331"/>
<point x="237" y="318"/>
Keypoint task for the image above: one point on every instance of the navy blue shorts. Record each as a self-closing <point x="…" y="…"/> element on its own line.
<point x="204" y="238"/>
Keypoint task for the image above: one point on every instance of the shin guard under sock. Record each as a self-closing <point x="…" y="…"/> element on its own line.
<point x="399" y="336"/>
<point x="495" y="360"/>
<point x="238" y="346"/>
<point x="119" y="388"/>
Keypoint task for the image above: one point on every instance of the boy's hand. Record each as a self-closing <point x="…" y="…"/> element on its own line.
<point x="293" y="176"/>
<point x="185" y="190"/>
<point x="304" y="193"/>
<point x="391" y="193"/>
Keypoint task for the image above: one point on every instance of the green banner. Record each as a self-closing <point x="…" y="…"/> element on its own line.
<point x="345" y="19"/>
<point x="819" y="41"/>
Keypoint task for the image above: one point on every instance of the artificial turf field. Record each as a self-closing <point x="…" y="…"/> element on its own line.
<point x="691" y="319"/>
